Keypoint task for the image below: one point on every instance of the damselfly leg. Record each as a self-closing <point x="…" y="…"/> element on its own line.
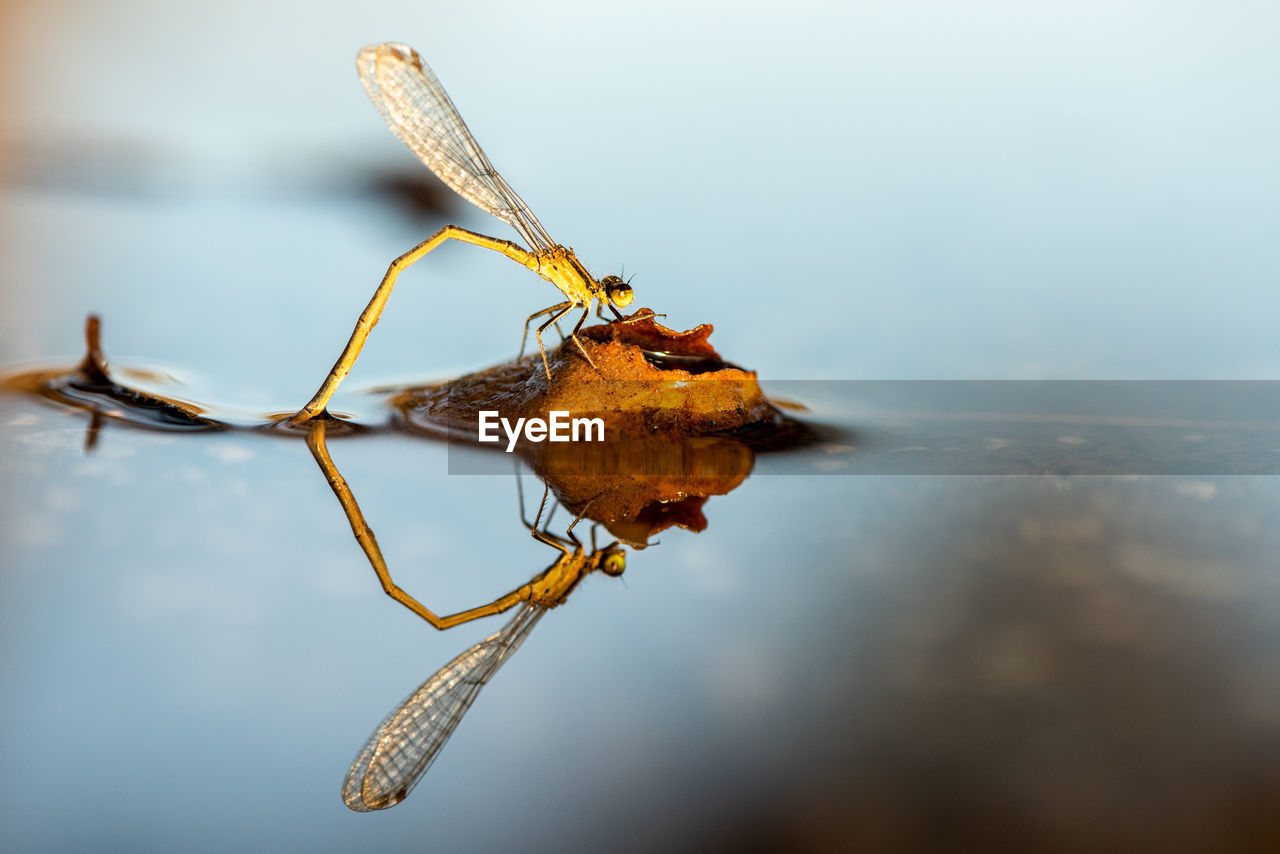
<point x="369" y="317"/>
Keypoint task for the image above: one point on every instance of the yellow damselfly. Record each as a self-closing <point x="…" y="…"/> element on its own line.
<point x="419" y="111"/>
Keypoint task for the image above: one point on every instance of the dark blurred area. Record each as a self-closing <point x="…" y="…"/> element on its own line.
<point x="152" y="170"/>
<point x="1067" y="665"/>
<point x="88" y="165"/>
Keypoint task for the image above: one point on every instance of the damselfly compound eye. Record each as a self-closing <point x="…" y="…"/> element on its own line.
<point x="614" y="563"/>
<point x="618" y="291"/>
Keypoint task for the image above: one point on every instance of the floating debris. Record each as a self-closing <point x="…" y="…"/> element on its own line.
<point x="91" y="388"/>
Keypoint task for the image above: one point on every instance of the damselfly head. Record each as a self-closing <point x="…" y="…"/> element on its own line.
<point x="618" y="291"/>
<point x="615" y="560"/>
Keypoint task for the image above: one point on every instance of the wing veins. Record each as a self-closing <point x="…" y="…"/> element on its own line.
<point x="418" y="110"/>
<point x="404" y="745"/>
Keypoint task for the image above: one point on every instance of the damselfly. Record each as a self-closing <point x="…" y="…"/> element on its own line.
<point x="404" y="745"/>
<point x="416" y="107"/>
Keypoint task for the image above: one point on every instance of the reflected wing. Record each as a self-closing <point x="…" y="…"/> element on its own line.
<point x="415" y="106"/>
<point x="404" y="745"/>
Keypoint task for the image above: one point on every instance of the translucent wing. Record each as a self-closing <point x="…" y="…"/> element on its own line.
<point x="416" y="107"/>
<point x="404" y="745"/>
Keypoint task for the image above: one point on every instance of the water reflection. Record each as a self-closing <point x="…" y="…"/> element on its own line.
<point x="547" y="590"/>
<point x="633" y="487"/>
<point x="408" y="740"/>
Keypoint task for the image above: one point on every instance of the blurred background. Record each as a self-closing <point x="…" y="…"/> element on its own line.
<point x="1082" y="190"/>
<point x="194" y="649"/>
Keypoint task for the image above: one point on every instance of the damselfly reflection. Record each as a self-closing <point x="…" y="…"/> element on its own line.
<point x="547" y="590"/>
<point x="417" y="109"/>
<point x="404" y="745"/>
